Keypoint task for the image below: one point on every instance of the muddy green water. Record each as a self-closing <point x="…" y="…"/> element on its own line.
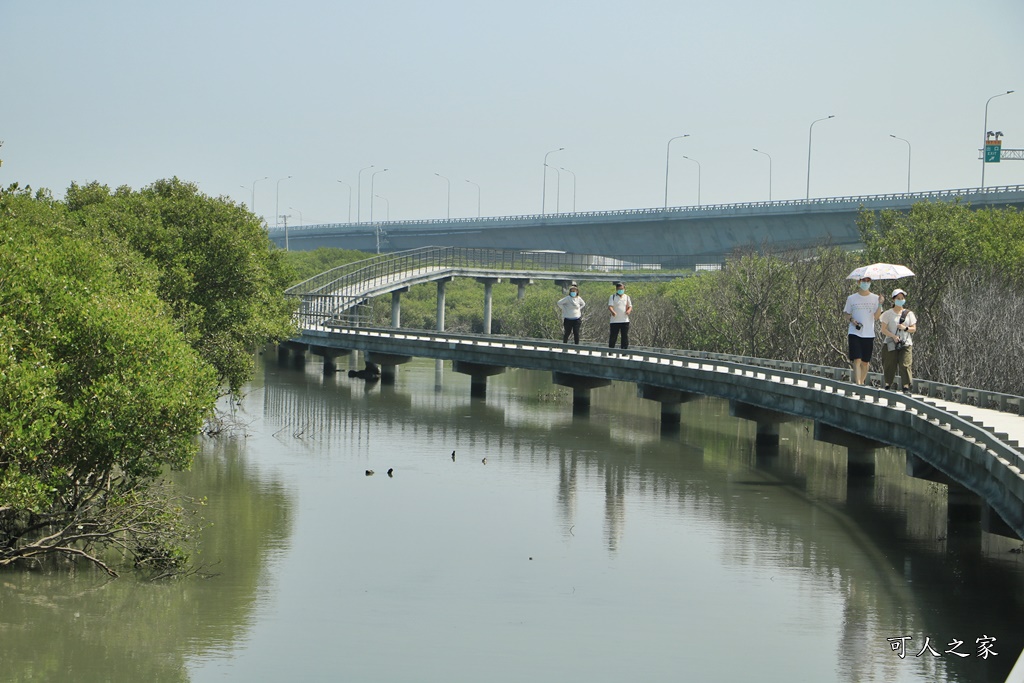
<point x="584" y="549"/>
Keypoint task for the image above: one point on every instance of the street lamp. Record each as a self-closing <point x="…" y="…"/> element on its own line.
<point x="985" y="136"/>
<point x="252" y="201"/>
<point x="667" y="148"/>
<point x="449" y="192"/>
<point x="302" y="221"/>
<point x="909" y="152"/>
<point x="359" y="193"/>
<point x="277" y="201"/>
<point x="387" y="207"/>
<point x="573" y="188"/>
<point x="809" y="133"/>
<point x="349" y="199"/>
<point x="698" y="177"/>
<point x="477" y="197"/>
<point x="544" y="191"/>
<point x="558" y="190"/>
<point x="769" y="171"/>
<point x="372" y="176"/>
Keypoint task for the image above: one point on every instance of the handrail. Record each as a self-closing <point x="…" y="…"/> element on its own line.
<point x="667" y="211"/>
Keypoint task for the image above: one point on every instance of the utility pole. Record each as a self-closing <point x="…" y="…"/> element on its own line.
<point x="285" y="218"/>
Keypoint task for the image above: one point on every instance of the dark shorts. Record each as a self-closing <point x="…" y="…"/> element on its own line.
<point x="860" y="348"/>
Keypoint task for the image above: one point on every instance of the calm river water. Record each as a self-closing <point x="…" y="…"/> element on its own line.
<point x="584" y="549"/>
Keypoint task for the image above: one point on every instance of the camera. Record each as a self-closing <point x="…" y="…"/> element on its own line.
<point x="900" y="345"/>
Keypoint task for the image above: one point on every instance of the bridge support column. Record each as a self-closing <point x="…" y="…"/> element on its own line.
<point x="963" y="506"/>
<point x="671" y="402"/>
<point x="440" y="302"/>
<point x="387" y="363"/>
<point x="478" y="374"/>
<point x="581" y="387"/>
<point x="521" y="283"/>
<point x="768" y="421"/>
<point x="860" y="451"/>
<point x="329" y="355"/>
<point x="396" y="307"/>
<point x="295" y="350"/>
<point x="488" y="283"/>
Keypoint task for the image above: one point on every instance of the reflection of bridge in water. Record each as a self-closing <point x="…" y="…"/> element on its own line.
<point x="689" y="234"/>
<point x="973" y="450"/>
<point x="682" y="471"/>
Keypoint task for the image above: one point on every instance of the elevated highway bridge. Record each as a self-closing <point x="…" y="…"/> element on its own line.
<point x="673" y="235"/>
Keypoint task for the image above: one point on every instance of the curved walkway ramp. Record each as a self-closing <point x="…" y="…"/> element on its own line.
<point x="954" y="443"/>
<point x="336" y="293"/>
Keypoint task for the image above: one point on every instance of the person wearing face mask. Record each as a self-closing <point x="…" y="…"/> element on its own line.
<point x="898" y="325"/>
<point x="572" y="314"/>
<point x="620" y="306"/>
<point x="862" y="309"/>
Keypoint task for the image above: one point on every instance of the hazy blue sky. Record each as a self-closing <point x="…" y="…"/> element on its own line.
<point x="223" y="93"/>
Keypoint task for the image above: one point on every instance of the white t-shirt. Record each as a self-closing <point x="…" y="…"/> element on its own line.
<point x="620" y="304"/>
<point x="890" y="319"/>
<point x="572" y="307"/>
<point x="863" y="308"/>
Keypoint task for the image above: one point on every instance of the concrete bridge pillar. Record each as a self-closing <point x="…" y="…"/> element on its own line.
<point x="521" y="283"/>
<point x="581" y="387"/>
<point x="860" y="451"/>
<point x="440" y="302"/>
<point x="329" y="355"/>
<point x="396" y="307"/>
<point x="387" y="363"/>
<point x="488" y="283"/>
<point x="478" y="374"/>
<point x="295" y="351"/>
<point x="671" y="402"/>
<point x="768" y="421"/>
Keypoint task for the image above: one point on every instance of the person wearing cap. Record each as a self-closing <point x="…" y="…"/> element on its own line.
<point x="861" y="311"/>
<point x="571" y="307"/>
<point x="898" y="326"/>
<point x="620" y="306"/>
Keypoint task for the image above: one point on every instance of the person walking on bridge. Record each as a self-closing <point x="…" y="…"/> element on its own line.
<point x="620" y="306"/>
<point x="572" y="314"/>
<point x="862" y="309"/>
<point x="898" y="325"/>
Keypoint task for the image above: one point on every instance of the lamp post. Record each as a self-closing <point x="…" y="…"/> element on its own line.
<point x="372" y="176"/>
<point x="449" y="192"/>
<point x="477" y="197"/>
<point x="984" y="137"/>
<point x="698" y="177"/>
<point x="387" y="207"/>
<point x="810" y="132"/>
<point x="769" y="171"/>
<point x="349" y="199"/>
<point x="909" y="152"/>
<point x="668" y="146"/>
<point x="277" y="204"/>
<point x="252" y="201"/>
<point x="573" y="188"/>
<point x="359" y="193"/>
<point x="558" y="190"/>
<point x="302" y="221"/>
<point x="544" y="191"/>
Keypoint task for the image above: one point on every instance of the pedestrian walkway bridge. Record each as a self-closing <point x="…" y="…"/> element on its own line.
<point x="968" y="439"/>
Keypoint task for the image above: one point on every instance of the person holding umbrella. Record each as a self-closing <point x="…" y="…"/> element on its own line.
<point x="862" y="309"/>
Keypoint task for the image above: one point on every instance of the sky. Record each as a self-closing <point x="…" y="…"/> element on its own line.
<point x="462" y="101"/>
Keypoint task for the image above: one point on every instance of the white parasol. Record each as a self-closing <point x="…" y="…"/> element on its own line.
<point x="881" y="271"/>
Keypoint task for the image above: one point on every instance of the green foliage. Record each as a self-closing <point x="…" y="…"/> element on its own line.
<point x="98" y="389"/>
<point x="211" y="260"/>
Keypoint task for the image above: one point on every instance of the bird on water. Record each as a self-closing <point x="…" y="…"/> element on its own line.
<point x="391" y="471"/>
<point x="369" y="473"/>
<point x="453" y="456"/>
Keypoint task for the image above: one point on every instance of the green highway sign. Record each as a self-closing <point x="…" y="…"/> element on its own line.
<point x="992" y="152"/>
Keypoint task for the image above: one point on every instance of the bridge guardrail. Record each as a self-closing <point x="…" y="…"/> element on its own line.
<point x="672" y="210"/>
